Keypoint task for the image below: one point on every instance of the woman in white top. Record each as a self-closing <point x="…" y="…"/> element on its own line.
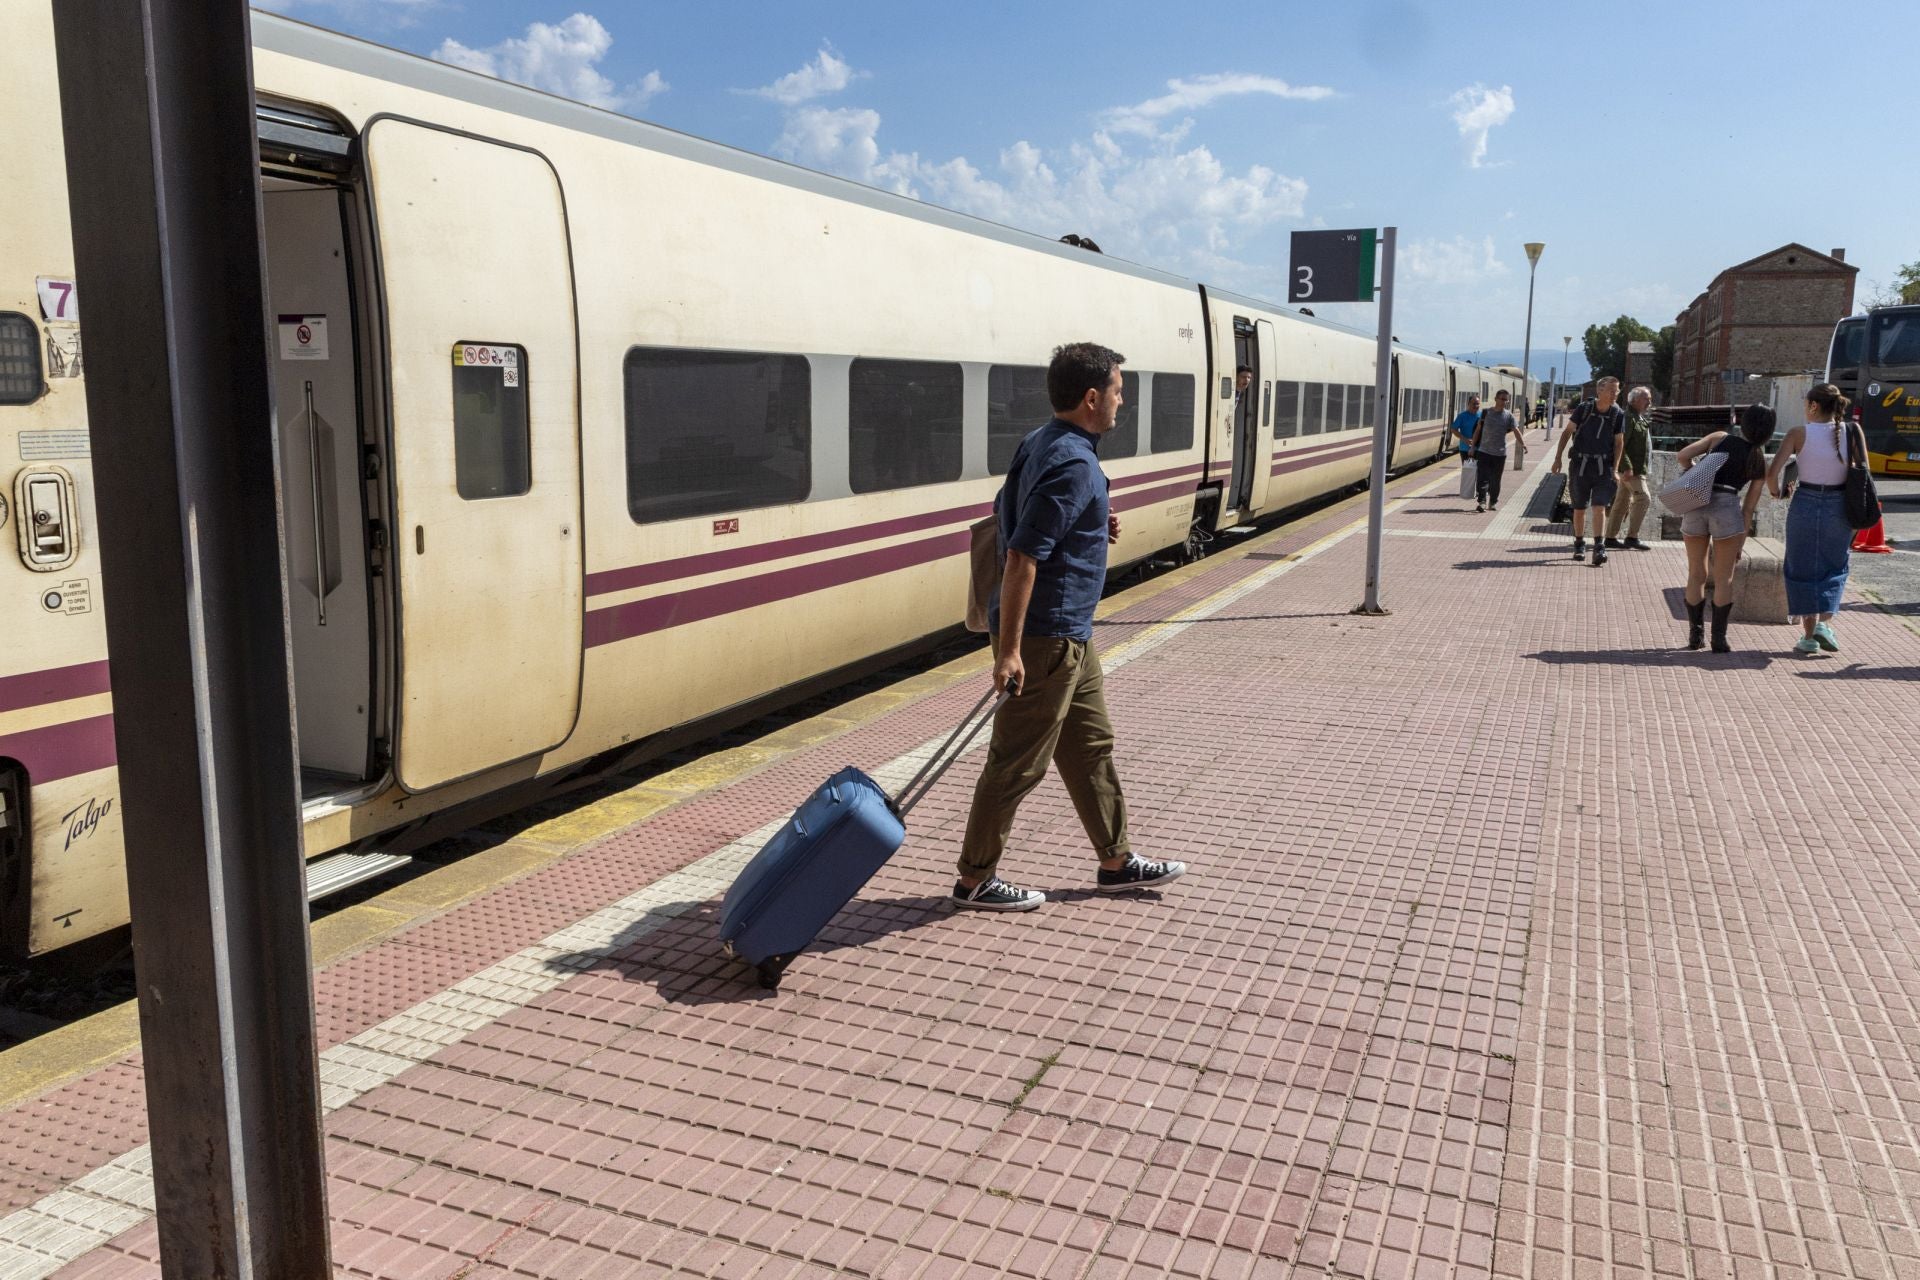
<point x="1818" y="535"/>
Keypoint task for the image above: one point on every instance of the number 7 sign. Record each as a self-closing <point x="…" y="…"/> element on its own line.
<point x="59" y="300"/>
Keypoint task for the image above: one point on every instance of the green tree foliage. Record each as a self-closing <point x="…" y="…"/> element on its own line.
<point x="1907" y="282"/>
<point x="1663" y="361"/>
<point x="1606" y="345"/>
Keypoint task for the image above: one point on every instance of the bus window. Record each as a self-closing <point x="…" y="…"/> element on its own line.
<point x="1896" y="345"/>
<point x="1843" y="361"/>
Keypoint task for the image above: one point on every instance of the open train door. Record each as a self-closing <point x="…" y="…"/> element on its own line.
<point x="1261" y="451"/>
<point x="483" y="378"/>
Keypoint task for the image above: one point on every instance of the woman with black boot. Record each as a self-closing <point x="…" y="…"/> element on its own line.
<point x="1715" y="533"/>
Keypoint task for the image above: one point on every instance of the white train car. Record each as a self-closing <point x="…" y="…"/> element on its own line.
<point x="589" y="430"/>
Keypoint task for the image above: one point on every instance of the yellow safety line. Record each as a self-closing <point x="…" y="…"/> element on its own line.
<point x="106" y="1037"/>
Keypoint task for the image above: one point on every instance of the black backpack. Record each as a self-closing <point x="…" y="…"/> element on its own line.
<point x="1591" y="439"/>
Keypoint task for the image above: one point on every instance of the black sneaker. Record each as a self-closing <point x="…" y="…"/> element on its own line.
<point x="1479" y="506"/>
<point x="1614" y="543"/>
<point x="1138" y="873"/>
<point x="1599" y="555"/>
<point x="1634" y="544"/>
<point x="1580" y="548"/>
<point x="995" y="894"/>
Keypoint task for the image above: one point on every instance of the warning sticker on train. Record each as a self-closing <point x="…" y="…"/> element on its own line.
<point x="303" y="337"/>
<point x="473" y="353"/>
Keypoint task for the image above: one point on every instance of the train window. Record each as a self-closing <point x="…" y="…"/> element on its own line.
<point x="1266" y="404"/>
<point x="711" y="431"/>
<point x="1316" y="406"/>
<point x="903" y="420"/>
<point x="492" y="451"/>
<point x="19" y="359"/>
<point x="1286" y="410"/>
<point x="1016" y="404"/>
<point x="1336" y="406"/>
<point x="1124" y="440"/>
<point x="1171" y="425"/>
<point x="1355" y="394"/>
<point x="1366" y="407"/>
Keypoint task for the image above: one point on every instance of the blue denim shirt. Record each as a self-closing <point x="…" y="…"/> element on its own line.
<point x="1053" y="507"/>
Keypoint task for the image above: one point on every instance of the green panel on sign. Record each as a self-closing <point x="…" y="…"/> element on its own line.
<point x="1368" y="240"/>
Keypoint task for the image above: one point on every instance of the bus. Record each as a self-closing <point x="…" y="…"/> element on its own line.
<point x="1875" y="361"/>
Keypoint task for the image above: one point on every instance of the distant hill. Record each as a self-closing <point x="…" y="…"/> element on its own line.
<point x="1543" y="360"/>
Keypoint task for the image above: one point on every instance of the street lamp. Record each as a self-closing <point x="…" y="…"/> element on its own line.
<point x="1533" y="249"/>
<point x="1566" y="358"/>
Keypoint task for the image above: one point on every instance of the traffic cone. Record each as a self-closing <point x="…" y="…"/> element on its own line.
<point x="1873" y="540"/>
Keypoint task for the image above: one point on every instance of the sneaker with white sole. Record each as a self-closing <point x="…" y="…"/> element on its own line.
<point x="1138" y="873"/>
<point x="995" y="894"/>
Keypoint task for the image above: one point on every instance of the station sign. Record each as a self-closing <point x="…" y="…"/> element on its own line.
<point x="1332" y="266"/>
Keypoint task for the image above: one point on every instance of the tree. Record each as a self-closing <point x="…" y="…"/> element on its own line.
<point x="1663" y="361"/>
<point x="1606" y="346"/>
<point x="1905" y="288"/>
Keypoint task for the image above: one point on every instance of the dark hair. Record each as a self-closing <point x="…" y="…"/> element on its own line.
<point x="1756" y="428"/>
<point x="1245" y="368"/>
<point x="1830" y="402"/>
<point x="1077" y="368"/>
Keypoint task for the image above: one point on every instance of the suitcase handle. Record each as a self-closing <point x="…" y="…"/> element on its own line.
<point x="943" y="759"/>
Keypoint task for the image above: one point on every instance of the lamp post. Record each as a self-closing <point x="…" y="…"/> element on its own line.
<point x="1566" y="358"/>
<point x="1533" y="249"/>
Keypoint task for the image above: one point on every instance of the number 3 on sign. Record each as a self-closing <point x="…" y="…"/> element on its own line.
<point x="1306" y="282"/>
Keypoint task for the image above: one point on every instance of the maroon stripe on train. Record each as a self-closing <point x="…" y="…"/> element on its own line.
<point x="1147" y="497"/>
<point x="646" y="575"/>
<point x="56" y="684"/>
<point x="62" y="750"/>
<point x="642" y="617"/>
<point x="1302" y="462"/>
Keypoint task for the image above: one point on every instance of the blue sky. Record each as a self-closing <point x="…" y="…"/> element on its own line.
<point x="1648" y="145"/>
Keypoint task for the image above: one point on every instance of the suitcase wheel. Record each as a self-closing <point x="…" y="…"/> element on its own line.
<point x="771" y="968"/>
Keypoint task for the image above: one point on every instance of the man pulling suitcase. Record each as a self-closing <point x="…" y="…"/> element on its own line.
<point x="1054" y="529"/>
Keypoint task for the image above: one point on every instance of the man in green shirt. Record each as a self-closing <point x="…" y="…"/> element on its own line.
<point x="1630" y="504"/>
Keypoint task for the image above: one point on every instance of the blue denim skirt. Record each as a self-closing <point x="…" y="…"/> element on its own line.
<point x="1818" y="542"/>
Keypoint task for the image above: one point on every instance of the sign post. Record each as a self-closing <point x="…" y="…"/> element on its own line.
<point x="1338" y="266"/>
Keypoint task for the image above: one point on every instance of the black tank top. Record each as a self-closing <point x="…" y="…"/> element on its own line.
<point x="1732" y="475"/>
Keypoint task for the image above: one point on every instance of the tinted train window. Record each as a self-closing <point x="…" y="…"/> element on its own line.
<point x="1316" y="406"/>
<point x="1366" y="406"/>
<point x="1172" y="425"/>
<point x="1124" y="440"/>
<point x="1286" y="410"/>
<point x="1354" y="396"/>
<point x="1336" y="406"/>
<point x="492" y="452"/>
<point x="1016" y="404"/>
<point x="903" y="420"/>
<point x="19" y="359"/>
<point x="711" y="431"/>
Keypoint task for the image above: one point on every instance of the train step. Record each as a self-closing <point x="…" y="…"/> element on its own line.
<point x="339" y="871"/>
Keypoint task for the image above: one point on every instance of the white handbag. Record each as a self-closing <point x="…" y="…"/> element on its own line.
<point x="1692" y="489"/>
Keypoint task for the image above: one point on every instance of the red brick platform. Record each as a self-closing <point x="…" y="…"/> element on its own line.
<point x="1517" y="943"/>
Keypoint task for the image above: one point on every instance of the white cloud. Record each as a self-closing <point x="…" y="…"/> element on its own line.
<point x="1158" y="202"/>
<point x="1477" y="110"/>
<point x="1459" y="261"/>
<point x="827" y="73"/>
<point x="561" y="59"/>
<point x="1145" y="118"/>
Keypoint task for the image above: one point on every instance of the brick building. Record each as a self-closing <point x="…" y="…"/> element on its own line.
<point x="1770" y="314"/>
<point x="1640" y="368"/>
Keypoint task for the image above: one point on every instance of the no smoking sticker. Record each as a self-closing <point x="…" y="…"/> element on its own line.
<point x="303" y="337"/>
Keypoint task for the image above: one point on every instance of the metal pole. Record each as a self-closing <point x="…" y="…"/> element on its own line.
<point x="1526" y="356"/>
<point x="1553" y="394"/>
<point x="163" y="175"/>
<point x="1382" y="407"/>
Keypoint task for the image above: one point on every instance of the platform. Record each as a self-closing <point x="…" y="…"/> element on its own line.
<point x="1517" y="943"/>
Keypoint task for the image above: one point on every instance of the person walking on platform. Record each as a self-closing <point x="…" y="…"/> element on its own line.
<point x="1054" y="529"/>
<point x="1490" y="452"/>
<point x="1597" y="431"/>
<point x="1464" y="424"/>
<point x="1819" y="539"/>
<point x="1719" y="529"/>
<point x="1630" y="504"/>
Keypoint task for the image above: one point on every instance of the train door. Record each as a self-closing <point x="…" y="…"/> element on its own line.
<point x="1246" y="415"/>
<point x="1267" y="366"/>
<point x="482" y="351"/>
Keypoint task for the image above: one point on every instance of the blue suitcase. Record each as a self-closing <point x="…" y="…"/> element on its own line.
<point x="825" y="854"/>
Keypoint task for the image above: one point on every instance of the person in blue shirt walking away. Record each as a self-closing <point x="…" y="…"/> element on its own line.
<point x="1054" y="529"/>
<point x="1464" y="424"/>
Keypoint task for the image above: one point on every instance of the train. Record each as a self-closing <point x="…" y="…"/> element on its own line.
<point x="591" y="431"/>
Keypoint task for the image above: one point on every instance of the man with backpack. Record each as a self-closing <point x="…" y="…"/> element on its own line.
<point x="1596" y="430"/>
